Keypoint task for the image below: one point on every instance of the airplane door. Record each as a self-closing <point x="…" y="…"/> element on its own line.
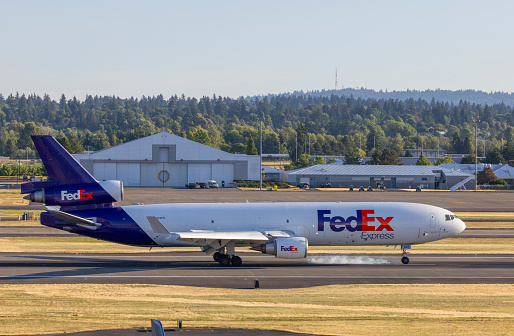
<point x="259" y="222"/>
<point x="433" y="221"/>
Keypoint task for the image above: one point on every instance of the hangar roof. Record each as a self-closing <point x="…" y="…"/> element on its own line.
<point x="141" y="150"/>
<point x="384" y="170"/>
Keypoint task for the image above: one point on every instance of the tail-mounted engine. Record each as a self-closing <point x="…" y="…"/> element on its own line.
<point x="78" y="194"/>
<point x="287" y="248"/>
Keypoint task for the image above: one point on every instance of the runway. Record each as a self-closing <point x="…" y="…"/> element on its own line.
<point x="196" y="269"/>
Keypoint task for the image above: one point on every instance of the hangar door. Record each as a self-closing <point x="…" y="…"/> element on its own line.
<point x="150" y="174"/>
<point x="129" y="174"/>
<point x="198" y="172"/>
<point x="177" y="174"/>
<point x="104" y="171"/>
<point x="223" y="172"/>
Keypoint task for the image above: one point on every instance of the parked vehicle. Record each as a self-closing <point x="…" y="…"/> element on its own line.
<point x="326" y="185"/>
<point x="212" y="184"/>
<point x="203" y="185"/>
<point x="193" y="185"/>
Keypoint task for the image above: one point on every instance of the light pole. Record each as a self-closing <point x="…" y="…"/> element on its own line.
<point x="476" y="154"/>
<point x="260" y="156"/>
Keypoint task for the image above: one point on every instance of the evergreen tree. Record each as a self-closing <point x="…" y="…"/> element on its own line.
<point x="494" y="157"/>
<point x="250" y="147"/>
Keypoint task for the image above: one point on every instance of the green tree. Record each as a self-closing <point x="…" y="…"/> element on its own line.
<point x="304" y="161"/>
<point x="351" y="157"/>
<point x="250" y="147"/>
<point x="494" y="157"/>
<point x="423" y="161"/>
<point x="238" y="148"/>
<point x="387" y="156"/>
<point x="65" y="143"/>
<point x="470" y="159"/>
<point x="200" y="136"/>
<point x="319" y="160"/>
<point x="443" y="160"/>
<point x="508" y="151"/>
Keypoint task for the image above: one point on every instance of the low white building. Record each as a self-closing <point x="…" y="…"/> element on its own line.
<point x="167" y="160"/>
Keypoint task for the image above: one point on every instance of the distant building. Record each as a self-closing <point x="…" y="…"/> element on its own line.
<point x="428" y="153"/>
<point x="344" y="176"/>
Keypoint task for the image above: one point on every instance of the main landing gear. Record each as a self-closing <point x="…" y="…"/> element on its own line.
<point x="405" y="259"/>
<point x="226" y="260"/>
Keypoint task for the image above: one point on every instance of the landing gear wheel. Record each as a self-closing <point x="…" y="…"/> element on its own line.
<point x="236" y="261"/>
<point x="405" y="260"/>
<point x="216" y="256"/>
<point x="224" y="260"/>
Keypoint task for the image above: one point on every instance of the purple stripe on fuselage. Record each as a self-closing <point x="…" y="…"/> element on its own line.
<point x="117" y="226"/>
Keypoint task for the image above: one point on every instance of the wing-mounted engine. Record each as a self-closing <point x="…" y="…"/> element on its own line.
<point x="286" y="248"/>
<point x="78" y="194"/>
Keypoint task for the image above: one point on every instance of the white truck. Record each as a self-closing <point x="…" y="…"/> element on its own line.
<point x="212" y="184"/>
<point x="304" y="182"/>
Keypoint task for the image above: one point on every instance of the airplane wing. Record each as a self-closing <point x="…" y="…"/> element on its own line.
<point x="214" y="240"/>
<point x="84" y="222"/>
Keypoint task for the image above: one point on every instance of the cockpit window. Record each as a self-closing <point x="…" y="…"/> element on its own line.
<point x="450" y="217"/>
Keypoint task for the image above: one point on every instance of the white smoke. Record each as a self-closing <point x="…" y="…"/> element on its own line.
<point x="344" y="259"/>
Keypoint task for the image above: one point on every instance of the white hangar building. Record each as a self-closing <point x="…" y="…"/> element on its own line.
<point x="167" y="160"/>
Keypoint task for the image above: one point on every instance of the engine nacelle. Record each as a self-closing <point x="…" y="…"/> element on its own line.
<point x="79" y="194"/>
<point x="287" y="248"/>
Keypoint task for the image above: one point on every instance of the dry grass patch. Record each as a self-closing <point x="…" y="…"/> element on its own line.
<point x="330" y="310"/>
<point x="471" y="214"/>
<point x="489" y="225"/>
<point x="12" y="197"/>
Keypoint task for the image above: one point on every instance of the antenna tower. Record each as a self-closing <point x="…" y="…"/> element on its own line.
<point x="336" y="78"/>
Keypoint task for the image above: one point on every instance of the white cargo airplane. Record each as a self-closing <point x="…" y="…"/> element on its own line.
<point x="78" y="203"/>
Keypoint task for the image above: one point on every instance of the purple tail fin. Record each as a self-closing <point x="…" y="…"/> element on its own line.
<point x="59" y="164"/>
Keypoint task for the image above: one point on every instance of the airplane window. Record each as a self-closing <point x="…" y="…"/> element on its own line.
<point x="447" y="217"/>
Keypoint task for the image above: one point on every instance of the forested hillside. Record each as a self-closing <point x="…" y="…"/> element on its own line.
<point x="334" y="124"/>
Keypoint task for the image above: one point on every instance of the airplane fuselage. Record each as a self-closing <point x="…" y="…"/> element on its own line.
<point x="327" y="223"/>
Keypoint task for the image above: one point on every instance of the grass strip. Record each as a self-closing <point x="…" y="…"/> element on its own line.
<point x="429" y="309"/>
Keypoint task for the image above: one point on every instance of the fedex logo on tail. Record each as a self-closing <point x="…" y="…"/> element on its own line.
<point x="363" y="221"/>
<point x="289" y="248"/>
<point x="80" y="194"/>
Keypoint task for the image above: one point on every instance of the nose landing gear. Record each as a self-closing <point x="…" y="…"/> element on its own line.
<point x="405" y="259"/>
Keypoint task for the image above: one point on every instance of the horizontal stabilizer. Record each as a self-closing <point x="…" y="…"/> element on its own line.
<point x="157" y="226"/>
<point x="87" y="223"/>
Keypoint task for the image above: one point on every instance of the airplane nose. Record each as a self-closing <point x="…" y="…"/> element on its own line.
<point x="459" y="226"/>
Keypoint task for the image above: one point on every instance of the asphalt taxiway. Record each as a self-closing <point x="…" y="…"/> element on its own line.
<point x="196" y="269"/>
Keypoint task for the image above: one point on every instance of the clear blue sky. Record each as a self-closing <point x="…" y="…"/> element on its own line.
<point x="239" y="48"/>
